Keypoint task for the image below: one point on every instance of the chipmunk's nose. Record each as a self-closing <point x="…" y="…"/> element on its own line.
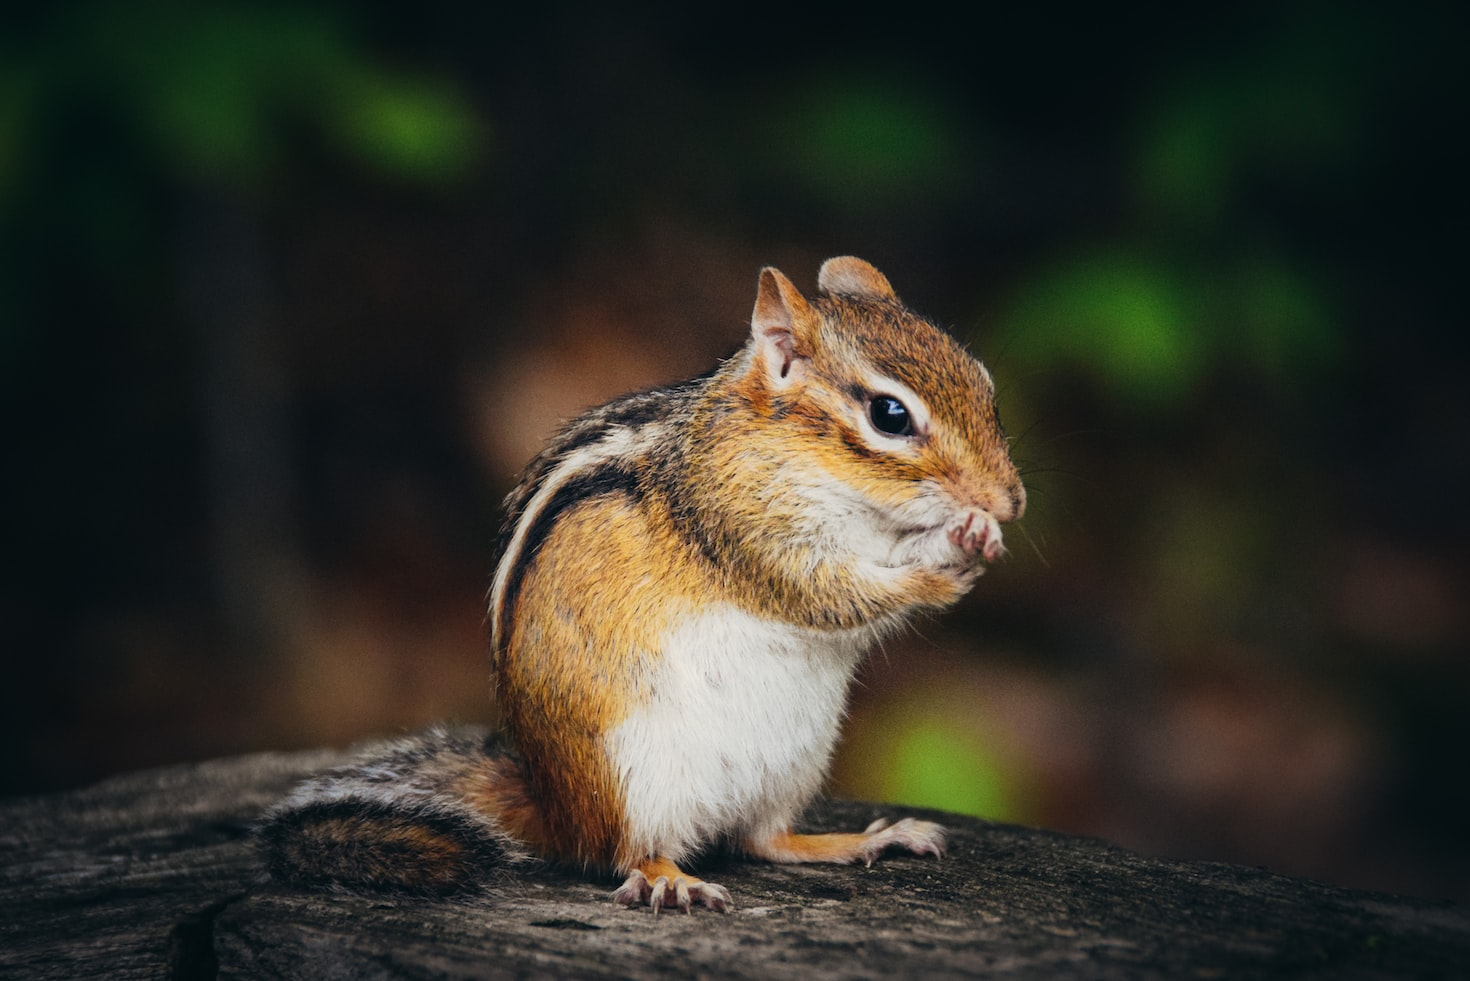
<point x="1015" y="500"/>
<point x="1003" y="502"/>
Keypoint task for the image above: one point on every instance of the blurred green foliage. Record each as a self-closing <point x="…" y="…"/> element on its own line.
<point x="941" y="752"/>
<point x="1150" y="327"/>
<point x="868" y="140"/>
<point x="217" y="94"/>
<point x="938" y="763"/>
<point x="111" y="112"/>
<point x="1286" y="106"/>
<point x="1193" y="279"/>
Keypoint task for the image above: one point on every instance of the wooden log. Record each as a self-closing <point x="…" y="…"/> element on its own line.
<point x="154" y="875"/>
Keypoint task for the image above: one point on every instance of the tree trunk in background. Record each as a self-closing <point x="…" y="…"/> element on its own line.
<point x="245" y="394"/>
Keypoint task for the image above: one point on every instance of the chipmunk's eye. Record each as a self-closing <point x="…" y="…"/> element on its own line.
<point x="890" y="416"/>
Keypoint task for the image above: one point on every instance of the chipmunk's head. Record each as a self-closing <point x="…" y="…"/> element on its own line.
<point x="900" y="419"/>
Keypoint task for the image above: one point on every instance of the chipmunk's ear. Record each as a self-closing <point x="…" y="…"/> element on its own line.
<point x="783" y="329"/>
<point x="851" y="276"/>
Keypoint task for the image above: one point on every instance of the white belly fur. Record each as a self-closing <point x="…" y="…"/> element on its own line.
<point x="738" y="732"/>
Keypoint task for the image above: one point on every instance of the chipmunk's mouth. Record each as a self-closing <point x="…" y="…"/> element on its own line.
<point x="929" y="530"/>
<point x="952" y="548"/>
<point x="974" y="534"/>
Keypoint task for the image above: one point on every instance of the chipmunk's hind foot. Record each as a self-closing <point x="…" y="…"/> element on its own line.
<point x="660" y="883"/>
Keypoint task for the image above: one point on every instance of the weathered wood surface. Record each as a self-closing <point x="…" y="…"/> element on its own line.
<point x="153" y="875"/>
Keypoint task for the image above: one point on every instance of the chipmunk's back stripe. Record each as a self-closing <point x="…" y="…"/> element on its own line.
<point x="630" y="412"/>
<point x="598" y="482"/>
<point x="592" y="470"/>
<point x="596" y="454"/>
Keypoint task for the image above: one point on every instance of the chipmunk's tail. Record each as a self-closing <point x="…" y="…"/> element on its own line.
<point x="437" y="812"/>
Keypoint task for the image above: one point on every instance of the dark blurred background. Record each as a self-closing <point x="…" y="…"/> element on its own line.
<point x="289" y="293"/>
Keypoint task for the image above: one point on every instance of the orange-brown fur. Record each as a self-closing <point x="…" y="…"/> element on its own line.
<point x="566" y="676"/>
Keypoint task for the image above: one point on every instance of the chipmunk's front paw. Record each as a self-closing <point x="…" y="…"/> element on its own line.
<point x="682" y="891"/>
<point x="977" y="533"/>
<point x="909" y="834"/>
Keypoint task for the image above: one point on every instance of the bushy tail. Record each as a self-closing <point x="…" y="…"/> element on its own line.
<point x="422" y="814"/>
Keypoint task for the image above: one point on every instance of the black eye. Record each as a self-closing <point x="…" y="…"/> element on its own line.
<point x="890" y="416"/>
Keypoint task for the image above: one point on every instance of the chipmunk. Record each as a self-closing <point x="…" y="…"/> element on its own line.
<point x="688" y="579"/>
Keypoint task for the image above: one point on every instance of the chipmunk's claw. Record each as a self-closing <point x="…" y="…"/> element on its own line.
<point x="683" y="892"/>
